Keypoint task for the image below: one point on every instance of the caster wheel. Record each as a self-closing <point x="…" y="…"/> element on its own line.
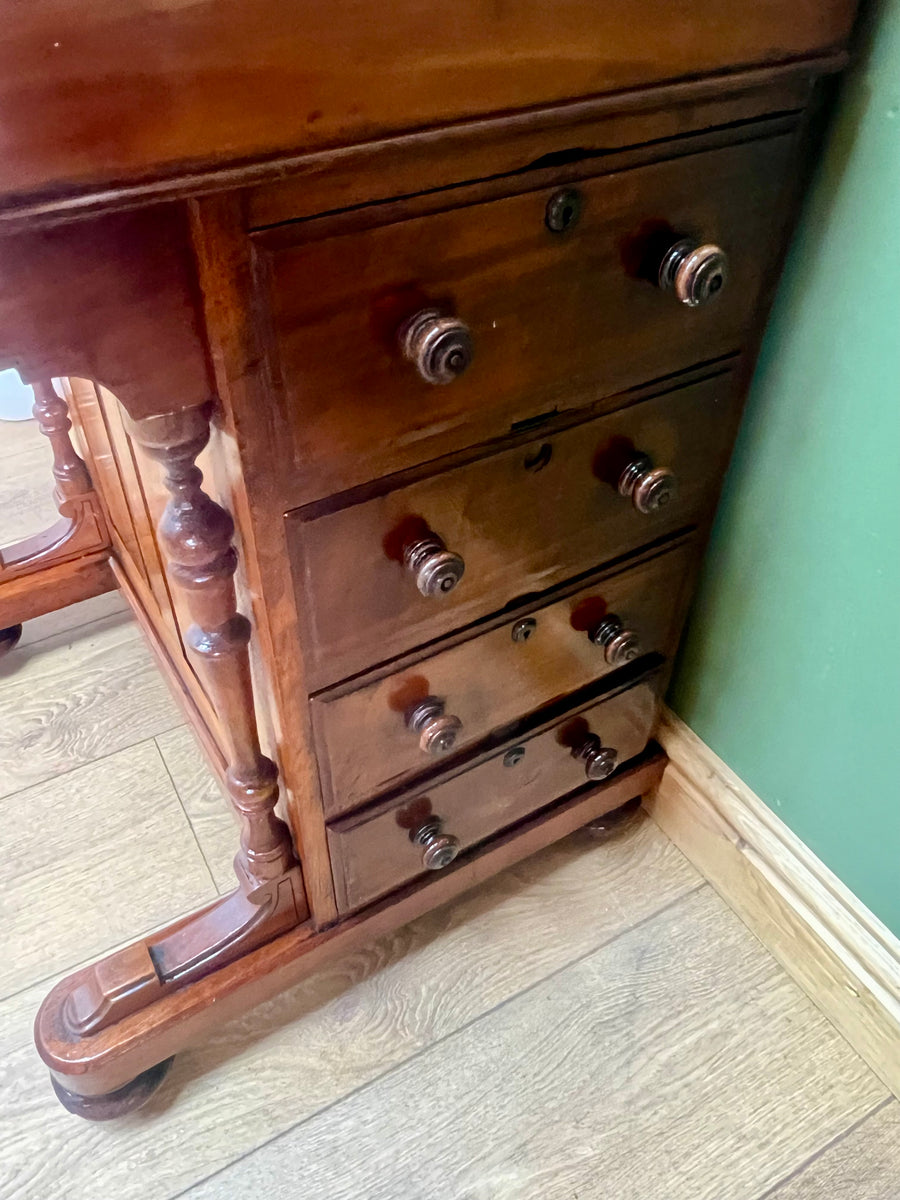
<point x="114" y="1104"/>
<point x="614" y="824"/>
<point x="9" y="638"/>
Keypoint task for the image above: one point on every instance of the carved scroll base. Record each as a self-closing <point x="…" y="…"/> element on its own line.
<point x="139" y="975"/>
<point x="196" y="535"/>
<point x="100" y="1070"/>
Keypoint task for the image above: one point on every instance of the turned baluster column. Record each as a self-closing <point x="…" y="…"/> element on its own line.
<point x="196" y="536"/>
<point x="69" y="469"/>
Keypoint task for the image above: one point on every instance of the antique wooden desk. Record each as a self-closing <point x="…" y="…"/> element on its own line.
<point x="456" y="306"/>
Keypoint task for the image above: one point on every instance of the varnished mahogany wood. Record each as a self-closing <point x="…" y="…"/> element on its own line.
<point x="103" y="93"/>
<point x="127" y="316"/>
<point x="109" y="1059"/>
<point x="196" y="534"/>
<point x="532" y="299"/>
<point x="277" y="299"/>
<point x="373" y="852"/>
<point x="492" y="679"/>
<point x="519" y="530"/>
<point x="67" y="562"/>
<point x="56" y="586"/>
<point x="255" y="464"/>
<point x="513" y="144"/>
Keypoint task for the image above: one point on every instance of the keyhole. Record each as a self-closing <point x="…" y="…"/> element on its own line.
<point x="536" y="460"/>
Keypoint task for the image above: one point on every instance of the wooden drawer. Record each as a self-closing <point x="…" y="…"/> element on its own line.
<point x="524" y="520"/>
<point x="518" y="665"/>
<point x="557" y="319"/>
<point x="373" y="852"/>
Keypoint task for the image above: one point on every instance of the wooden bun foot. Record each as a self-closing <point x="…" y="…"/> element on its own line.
<point x="114" y="1104"/>
<point x="9" y="638"/>
<point x="614" y="823"/>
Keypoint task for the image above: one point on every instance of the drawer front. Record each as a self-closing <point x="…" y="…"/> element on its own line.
<point x="364" y="740"/>
<point x="523" y="520"/>
<point x="373" y="853"/>
<point x="557" y="320"/>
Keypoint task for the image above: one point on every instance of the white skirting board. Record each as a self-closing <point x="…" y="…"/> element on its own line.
<point x="842" y="956"/>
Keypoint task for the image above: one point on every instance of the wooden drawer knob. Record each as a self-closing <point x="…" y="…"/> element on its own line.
<point x="648" y="487"/>
<point x="620" y="645"/>
<point x="436" y="569"/>
<point x="694" y="274"/>
<point x="436" y="728"/>
<point x="439" y="347"/>
<point x="439" y="849"/>
<point x="599" y="760"/>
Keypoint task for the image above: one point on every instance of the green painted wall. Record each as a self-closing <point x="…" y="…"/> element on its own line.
<point x="791" y="667"/>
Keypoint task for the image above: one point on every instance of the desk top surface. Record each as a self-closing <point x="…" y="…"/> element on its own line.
<point x="99" y="93"/>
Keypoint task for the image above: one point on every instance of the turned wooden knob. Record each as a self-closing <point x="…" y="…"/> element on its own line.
<point x="599" y="760"/>
<point x="620" y="645"/>
<point x="439" y="849"/>
<point x="649" y="488"/>
<point x="436" y="569"/>
<point x="436" y="728"/>
<point x="694" y="273"/>
<point x="439" y="347"/>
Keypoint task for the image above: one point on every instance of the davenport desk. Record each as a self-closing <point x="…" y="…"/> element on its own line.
<point x="408" y="345"/>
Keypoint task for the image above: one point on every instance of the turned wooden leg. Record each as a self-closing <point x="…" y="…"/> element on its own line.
<point x="612" y="824"/>
<point x="196" y="536"/>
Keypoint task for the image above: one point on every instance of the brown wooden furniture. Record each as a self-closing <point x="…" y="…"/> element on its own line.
<point x="444" y="319"/>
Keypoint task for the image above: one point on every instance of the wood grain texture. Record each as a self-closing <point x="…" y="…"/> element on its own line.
<point x="531" y="298"/>
<point x="842" y="956"/>
<point x="372" y="851"/>
<point x="682" y="1035"/>
<point x="65" y="621"/>
<point x="68" y="701"/>
<point x="492" y="679"/>
<point x="102" y="92"/>
<point x="26" y="482"/>
<point x="251" y="420"/>
<point x="519" y="532"/>
<point x="138" y="834"/>
<point x="862" y="1165"/>
<point x="347" y="1024"/>
<point x="54" y="586"/>
<point x="136" y="326"/>
<point x="204" y="802"/>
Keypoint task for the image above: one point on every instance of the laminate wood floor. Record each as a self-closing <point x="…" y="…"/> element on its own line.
<point x="593" y="1023"/>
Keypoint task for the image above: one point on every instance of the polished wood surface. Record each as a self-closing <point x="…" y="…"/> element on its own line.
<point x="533" y="300"/>
<point x="391" y="1008"/>
<point x="94" y="93"/>
<point x="128" y="317"/>
<point x="492" y="679"/>
<point x="373" y="853"/>
<point x="227" y="231"/>
<point x="106" y="1060"/>
<point x="196" y="535"/>
<point x="521" y="524"/>
<point x="68" y="560"/>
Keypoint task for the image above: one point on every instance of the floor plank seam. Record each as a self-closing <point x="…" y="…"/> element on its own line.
<point x="822" y="1150"/>
<point x="108" y="620"/>
<point x="369" y="1083"/>
<point x="78" y="629"/>
<point x="187" y="815"/>
<point x="89" y="762"/>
